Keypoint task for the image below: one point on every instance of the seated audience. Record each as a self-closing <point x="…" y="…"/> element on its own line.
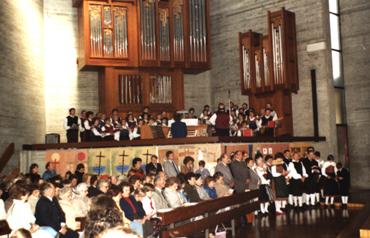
<point x="80" y="200"/>
<point x="203" y="171"/>
<point x="132" y="209"/>
<point x="20" y="215"/>
<point x="65" y="201"/>
<point x="33" y="197"/>
<point x="104" y="214"/>
<point x="190" y="188"/>
<point x="209" y="186"/>
<point x="199" y="184"/>
<point x="159" y="200"/>
<point x="49" y="213"/>
<point x="136" y="168"/>
<point x="171" y="193"/>
<point x="188" y="165"/>
<point x="49" y="172"/>
<point x="154" y="167"/>
<point x="222" y="190"/>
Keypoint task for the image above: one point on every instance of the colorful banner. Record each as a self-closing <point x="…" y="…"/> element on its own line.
<point x="66" y="160"/>
<point x="121" y="158"/>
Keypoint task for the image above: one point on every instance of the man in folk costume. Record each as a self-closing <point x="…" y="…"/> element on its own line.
<point x="71" y="124"/>
<point x="280" y="173"/>
<point x="344" y="183"/>
<point x="311" y="184"/>
<point x="221" y="120"/>
<point x="329" y="171"/>
<point x="297" y="175"/>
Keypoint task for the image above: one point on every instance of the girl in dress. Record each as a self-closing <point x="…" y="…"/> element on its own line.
<point x="330" y="186"/>
<point x="280" y="174"/>
<point x="265" y="195"/>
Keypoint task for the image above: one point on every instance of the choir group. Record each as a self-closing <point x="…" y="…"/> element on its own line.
<point x="235" y="121"/>
<point x="49" y="204"/>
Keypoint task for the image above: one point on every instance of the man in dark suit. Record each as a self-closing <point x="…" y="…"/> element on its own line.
<point x="190" y="189"/>
<point x="49" y="213"/>
<point x="153" y="167"/>
<point x="240" y="172"/>
<point x="178" y="128"/>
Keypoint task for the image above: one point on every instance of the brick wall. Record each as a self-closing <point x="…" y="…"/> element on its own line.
<point x="22" y="118"/>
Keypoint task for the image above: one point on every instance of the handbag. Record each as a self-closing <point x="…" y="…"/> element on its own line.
<point x="220" y="233"/>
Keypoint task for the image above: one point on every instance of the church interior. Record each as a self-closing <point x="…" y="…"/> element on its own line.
<point x="264" y="103"/>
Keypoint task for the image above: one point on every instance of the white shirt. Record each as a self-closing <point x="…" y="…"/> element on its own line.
<point x="261" y="172"/>
<point x="66" y="127"/>
<point x="213" y="118"/>
<point x="293" y="172"/>
<point x="327" y="164"/>
<point x="149" y="210"/>
<point x="20" y="215"/>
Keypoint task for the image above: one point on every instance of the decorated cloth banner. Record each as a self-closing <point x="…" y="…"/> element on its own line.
<point x="121" y="158"/>
<point x="66" y="160"/>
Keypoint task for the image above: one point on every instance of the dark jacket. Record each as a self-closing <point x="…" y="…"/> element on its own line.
<point x="179" y="129"/>
<point x="49" y="213"/>
<point x="192" y="193"/>
<point x="156" y="169"/>
<point x="241" y="174"/>
<point x="129" y="212"/>
<point x="93" y="192"/>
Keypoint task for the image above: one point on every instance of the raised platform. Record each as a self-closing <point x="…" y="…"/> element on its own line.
<point x="115" y="157"/>
<point x="177" y="141"/>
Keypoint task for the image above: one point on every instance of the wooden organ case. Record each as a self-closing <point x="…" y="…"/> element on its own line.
<point x="143" y="48"/>
<point x="269" y="67"/>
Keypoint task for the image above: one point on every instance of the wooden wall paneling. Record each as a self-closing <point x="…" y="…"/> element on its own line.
<point x="285" y="77"/>
<point x="91" y="60"/>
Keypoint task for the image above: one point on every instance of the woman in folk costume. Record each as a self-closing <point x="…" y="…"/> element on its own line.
<point x="280" y="177"/>
<point x="330" y="185"/>
<point x="265" y="196"/>
<point x="297" y="175"/>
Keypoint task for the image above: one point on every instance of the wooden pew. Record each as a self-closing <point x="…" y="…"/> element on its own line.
<point x="177" y="223"/>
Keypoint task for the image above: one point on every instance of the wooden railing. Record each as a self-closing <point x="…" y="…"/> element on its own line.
<point x="177" y="222"/>
<point x="5" y="157"/>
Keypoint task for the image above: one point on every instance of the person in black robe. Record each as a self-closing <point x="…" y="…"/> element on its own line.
<point x="49" y="213"/>
<point x="344" y="183"/>
<point x="153" y="167"/>
<point x="34" y="175"/>
<point x="80" y="171"/>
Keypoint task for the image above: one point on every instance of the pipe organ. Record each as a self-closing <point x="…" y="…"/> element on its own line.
<point x="146" y="36"/>
<point x="269" y="66"/>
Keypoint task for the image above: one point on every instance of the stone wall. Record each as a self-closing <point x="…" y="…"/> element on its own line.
<point x="65" y="86"/>
<point x="22" y="117"/>
<point x="355" y="21"/>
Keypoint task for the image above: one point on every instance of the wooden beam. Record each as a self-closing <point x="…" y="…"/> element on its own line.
<point x="5" y="157"/>
<point x="76" y="3"/>
<point x="176" y="141"/>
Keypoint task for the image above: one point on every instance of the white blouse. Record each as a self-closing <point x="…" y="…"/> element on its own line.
<point x="20" y="215"/>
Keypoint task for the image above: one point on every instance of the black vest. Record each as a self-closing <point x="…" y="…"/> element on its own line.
<point x="298" y="167"/>
<point x="265" y="120"/>
<point x="72" y="120"/>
